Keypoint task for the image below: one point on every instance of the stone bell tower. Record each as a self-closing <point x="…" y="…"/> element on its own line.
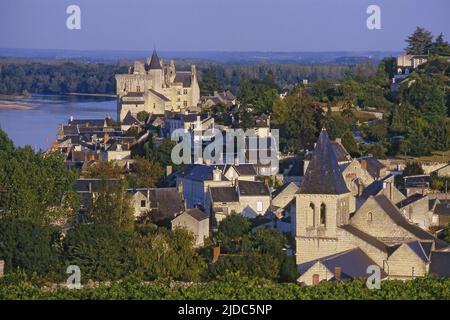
<point x="323" y="203"/>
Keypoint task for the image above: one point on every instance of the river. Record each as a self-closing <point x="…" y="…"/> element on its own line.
<point x="37" y="127"/>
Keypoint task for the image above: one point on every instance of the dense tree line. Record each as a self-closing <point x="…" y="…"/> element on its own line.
<point x="58" y="78"/>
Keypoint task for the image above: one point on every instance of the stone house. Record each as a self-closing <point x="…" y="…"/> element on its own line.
<point x="196" y="221"/>
<point x="254" y="198"/>
<point x="416" y="208"/>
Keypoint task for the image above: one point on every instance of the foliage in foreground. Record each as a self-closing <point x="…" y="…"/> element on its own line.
<point x="230" y="287"/>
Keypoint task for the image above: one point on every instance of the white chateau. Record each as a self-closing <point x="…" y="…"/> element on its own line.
<point x="155" y="88"/>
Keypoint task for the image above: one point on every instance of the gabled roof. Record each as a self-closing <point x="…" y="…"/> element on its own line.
<point x="197" y="214"/>
<point x="393" y="212"/>
<point x="323" y="175"/>
<point x="353" y="264"/>
<point x="417" y="248"/>
<point x="200" y="172"/>
<point x="367" y="238"/>
<point x="442" y="208"/>
<point x="130" y="120"/>
<point x="373" y="166"/>
<point x="155" y="63"/>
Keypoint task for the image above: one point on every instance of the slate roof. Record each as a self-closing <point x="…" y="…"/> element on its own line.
<point x="224" y="194"/>
<point x="159" y="95"/>
<point x="393" y="212"/>
<point x="353" y="264"/>
<point x="323" y="175"/>
<point x="340" y="152"/>
<point x="412" y="198"/>
<point x="366" y="237"/>
<point x="421" y="181"/>
<point x="155" y="63"/>
<point x="440" y="264"/>
<point x="416" y="246"/>
<point x="199" y="172"/>
<point x="253" y="188"/>
<point x="184" y="77"/>
<point x="442" y="208"/>
<point x="197" y="214"/>
<point x="373" y="166"/>
<point x="168" y="201"/>
<point x="245" y="169"/>
<point x="130" y="120"/>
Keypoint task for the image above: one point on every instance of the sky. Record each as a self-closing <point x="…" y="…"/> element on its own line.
<point x="218" y="25"/>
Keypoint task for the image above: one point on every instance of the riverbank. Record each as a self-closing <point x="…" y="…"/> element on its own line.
<point x="105" y="95"/>
<point x="7" y="105"/>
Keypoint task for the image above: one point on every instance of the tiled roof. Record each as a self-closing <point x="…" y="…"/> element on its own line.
<point x="323" y="175"/>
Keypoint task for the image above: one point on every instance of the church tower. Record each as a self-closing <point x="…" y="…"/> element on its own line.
<point x="323" y="203"/>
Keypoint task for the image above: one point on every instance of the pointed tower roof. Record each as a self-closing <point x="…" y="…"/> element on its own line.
<point x="323" y="175"/>
<point x="155" y="63"/>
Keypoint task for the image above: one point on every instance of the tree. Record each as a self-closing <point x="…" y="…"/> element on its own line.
<point x="99" y="250"/>
<point x="295" y="116"/>
<point x="440" y="46"/>
<point x="166" y="254"/>
<point x="288" y="270"/>
<point x="27" y="246"/>
<point x="104" y="170"/>
<point x="231" y="230"/>
<point x="142" y="116"/>
<point x="111" y="206"/>
<point x="419" y="42"/>
<point x="144" y="174"/>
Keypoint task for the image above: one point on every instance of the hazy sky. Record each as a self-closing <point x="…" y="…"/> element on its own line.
<point x="218" y="25"/>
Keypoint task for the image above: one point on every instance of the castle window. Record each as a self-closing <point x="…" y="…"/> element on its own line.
<point x="310" y="219"/>
<point x="369" y="217"/>
<point x="138" y="88"/>
<point x="184" y="91"/>
<point x="323" y="213"/>
<point x="185" y="103"/>
<point x="178" y="92"/>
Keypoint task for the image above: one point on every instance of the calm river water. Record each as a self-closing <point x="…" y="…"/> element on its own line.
<point x="38" y="127"/>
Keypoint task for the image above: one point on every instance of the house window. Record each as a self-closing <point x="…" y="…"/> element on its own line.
<point x="259" y="206"/>
<point x="323" y="213"/>
<point x="143" y="203"/>
<point x="311" y="215"/>
<point x="369" y="217"/>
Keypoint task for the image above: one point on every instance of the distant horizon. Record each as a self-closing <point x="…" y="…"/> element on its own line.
<point x="283" y="26"/>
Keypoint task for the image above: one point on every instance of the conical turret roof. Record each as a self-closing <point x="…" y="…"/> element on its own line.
<point x="155" y="63"/>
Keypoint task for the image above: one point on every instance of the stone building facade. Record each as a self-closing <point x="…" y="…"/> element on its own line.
<point x="156" y="87"/>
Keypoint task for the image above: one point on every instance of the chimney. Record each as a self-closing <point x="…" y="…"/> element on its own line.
<point x="168" y="170"/>
<point x="148" y="195"/>
<point x="90" y="187"/>
<point x="364" y="164"/>
<point x="217" y="175"/>
<point x="2" y="268"/>
<point x="338" y="140"/>
<point x="337" y="273"/>
<point x="216" y="253"/>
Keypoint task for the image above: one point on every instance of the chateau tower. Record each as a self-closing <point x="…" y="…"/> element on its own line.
<point x="155" y="71"/>
<point x="323" y="203"/>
